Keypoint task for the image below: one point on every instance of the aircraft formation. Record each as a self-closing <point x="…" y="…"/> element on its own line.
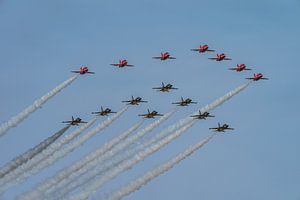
<point x="168" y="87"/>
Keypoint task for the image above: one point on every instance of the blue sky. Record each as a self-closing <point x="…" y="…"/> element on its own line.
<point x="42" y="41"/>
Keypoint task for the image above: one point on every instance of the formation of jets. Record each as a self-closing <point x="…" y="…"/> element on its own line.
<point x="166" y="56"/>
<point x="168" y="87"/>
<point x="75" y="122"/>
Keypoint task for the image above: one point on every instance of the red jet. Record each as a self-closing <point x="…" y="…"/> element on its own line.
<point x="257" y="77"/>
<point x="239" y="68"/>
<point x="122" y="63"/>
<point x="220" y="57"/>
<point x="164" y="56"/>
<point x="83" y="70"/>
<point x="202" y="49"/>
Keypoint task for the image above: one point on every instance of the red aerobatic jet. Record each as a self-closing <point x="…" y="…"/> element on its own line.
<point x="257" y="77"/>
<point x="122" y="63"/>
<point x="202" y="49"/>
<point x="83" y="70"/>
<point x="240" y="67"/>
<point x="220" y="57"/>
<point x="164" y="56"/>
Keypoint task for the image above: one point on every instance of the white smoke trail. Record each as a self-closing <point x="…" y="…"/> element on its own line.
<point x="61" y="178"/>
<point x="18" y="161"/>
<point x="99" y="160"/>
<point x="5" y="182"/>
<point x="90" y="189"/>
<point x="68" y="149"/>
<point x="14" y="121"/>
<point x="182" y="123"/>
<point x="150" y="175"/>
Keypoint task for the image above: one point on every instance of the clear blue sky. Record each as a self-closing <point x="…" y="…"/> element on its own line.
<point x="42" y="41"/>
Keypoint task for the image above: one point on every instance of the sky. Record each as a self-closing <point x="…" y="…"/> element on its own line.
<point x="42" y="41"/>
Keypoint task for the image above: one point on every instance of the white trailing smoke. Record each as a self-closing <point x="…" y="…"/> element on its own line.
<point x="150" y="175"/>
<point x="28" y="155"/>
<point x="60" y="178"/>
<point x="14" y="121"/>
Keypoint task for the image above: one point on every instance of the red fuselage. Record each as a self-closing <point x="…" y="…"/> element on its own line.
<point x="83" y="70"/>
<point x="257" y="77"/>
<point x="123" y="63"/>
<point x="164" y="56"/>
<point x="240" y="67"/>
<point x="220" y="57"/>
<point x="203" y="48"/>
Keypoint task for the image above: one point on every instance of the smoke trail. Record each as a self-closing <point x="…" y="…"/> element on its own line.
<point x="98" y="161"/>
<point x="188" y="121"/>
<point x="11" y="178"/>
<point x="14" y="121"/>
<point x="150" y="175"/>
<point x="207" y="108"/>
<point x="90" y="189"/>
<point x="65" y="151"/>
<point x="60" y="179"/>
<point x="10" y="166"/>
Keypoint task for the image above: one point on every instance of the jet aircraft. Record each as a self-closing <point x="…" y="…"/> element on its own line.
<point x="203" y="49"/>
<point x="220" y="57"/>
<point x="164" y="56"/>
<point x="202" y="115"/>
<point x="257" y="77"/>
<point x="83" y="70"/>
<point x="103" y="112"/>
<point x="240" y="67"/>
<point x="122" y="63"/>
<point x="75" y="122"/>
<point x="222" y="128"/>
<point x="184" y="102"/>
<point x="165" y="88"/>
<point x="134" y="101"/>
<point x="151" y="114"/>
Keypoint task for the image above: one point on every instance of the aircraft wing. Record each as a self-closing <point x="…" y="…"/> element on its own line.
<point x="117" y="65"/>
<point x="213" y="58"/>
<point x="90" y="72"/>
<point x="130" y="65"/>
<point x="232" y="68"/>
<point x="214" y="128"/>
<point x="265" y="78"/>
<point x="250" y="78"/>
<point x="172" y="58"/>
<point x="157" y="88"/>
<point x="82" y="122"/>
<point x="227" y="59"/>
<point x="75" y="71"/>
<point x="195" y="49"/>
<point x="156" y="57"/>
<point x="247" y="69"/>
<point x="210" y="50"/>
